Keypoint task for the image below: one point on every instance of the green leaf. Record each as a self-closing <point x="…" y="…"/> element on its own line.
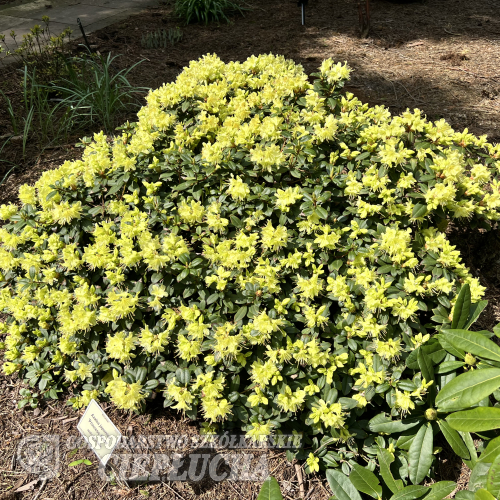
<point x="473" y="342"/>
<point x="425" y="364"/>
<point x="183" y="376"/>
<point x="420" y="454"/>
<point x="483" y="495"/>
<point x="464" y="495"/>
<point x="493" y="481"/>
<point x="462" y="307"/>
<point x="468" y="389"/>
<point x="242" y="312"/>
<point x="365" y="481"/>
<point x="419" y="210"/>
<point x="385" y="459"/>
<point x="491" y="452"/>
<point x="441" y="490"/>
<point x="76" y="462"/>
<point x="454" y="440"/>
<point x="449" y="366"/>
<point x="475" y="311"/>
<point x="469" y="442"/>
<point x="476" y="420"/>
<point x="270" y="490"/>
<point x="381" y="423"/>
<point x="321" y="212"/>
<point x="341" y="486"/>
<point x="410" y="493"/>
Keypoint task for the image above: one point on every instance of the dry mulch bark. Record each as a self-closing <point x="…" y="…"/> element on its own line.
<point x="438" y="55"/>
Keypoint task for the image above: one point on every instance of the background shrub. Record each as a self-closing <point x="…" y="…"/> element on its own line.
<point x="262" y="251"/>
<point x="205" y="11"/>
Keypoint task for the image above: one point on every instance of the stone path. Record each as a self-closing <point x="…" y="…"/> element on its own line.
<point x="22" y="15"/>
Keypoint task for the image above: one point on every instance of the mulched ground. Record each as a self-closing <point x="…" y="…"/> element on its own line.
<point x="438" y="55"/>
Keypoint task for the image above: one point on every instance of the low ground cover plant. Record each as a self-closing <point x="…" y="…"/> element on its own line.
<point x="267" y="253"/>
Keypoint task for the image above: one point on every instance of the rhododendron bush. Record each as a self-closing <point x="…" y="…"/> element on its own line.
<point x="260" y="251"/>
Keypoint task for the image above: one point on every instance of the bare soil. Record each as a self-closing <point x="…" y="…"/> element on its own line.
<point x="438" y="55"/>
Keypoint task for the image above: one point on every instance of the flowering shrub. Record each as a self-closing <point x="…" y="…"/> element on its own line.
<point x="260" y="250"/>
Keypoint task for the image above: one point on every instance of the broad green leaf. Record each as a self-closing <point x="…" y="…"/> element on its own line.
<point x="475" y="311"/>
<point x="419" y="210"/>
<point x="483" y="495"/>
<point x="270" y="490"/>
<point x="410" y="493"/>
<point x="464" y="495"/>
<point x="449" y="366"/>
<point x="491" y="452"/>
<point x="493" y="481"/>
<point x="454" y="440"/>
<point x="425" y="364"/>
<point x="473" y="342"/>
<point x="462" y="307"/>
<point x="469" y="442"/>
<point x="441" y="490"/>
<point x="478" y="477"/>
<point x="242" y="311"/>
<point x="458" y="353"/>
<point x="385" y="459"/>
<point x="476" y="420"/>
<point x="468" y="389"/>
<point x="381" y="423"/>
<point x="341" y="486"/>
<point x="365" y="481"/>
<point x="420" y="454"/>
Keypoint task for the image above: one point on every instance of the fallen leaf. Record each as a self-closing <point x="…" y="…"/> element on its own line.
<point x="26" y="487"/>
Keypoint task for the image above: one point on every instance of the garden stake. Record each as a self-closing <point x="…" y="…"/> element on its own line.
<point x="302" y="4"/>
<point x="83" y="33"/>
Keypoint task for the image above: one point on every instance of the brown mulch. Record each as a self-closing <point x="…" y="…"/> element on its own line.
<point x="438" y="55"/>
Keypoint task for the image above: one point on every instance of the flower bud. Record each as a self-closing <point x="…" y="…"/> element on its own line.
<point x="470" y="359"/>
<point x="431" y="414"/>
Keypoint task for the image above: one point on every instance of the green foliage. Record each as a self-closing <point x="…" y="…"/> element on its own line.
<point x="268" y="254"/>
<point x="27" y="399"/>
<point x="95" y="94"/>
<point x="39" y="48"/>
<point x="161" y="39"/>
<point x="205" y="11"/>
<point x="270" y="490"/>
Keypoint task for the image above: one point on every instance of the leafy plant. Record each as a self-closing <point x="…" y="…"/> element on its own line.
<point x="270" y="490"/>
<point x="27" y="399"/>
<point x="84" y="461"/>
<point x="206" y="11"/>
<point x="95" y="94"/>
<point x="160" y="39"/>
<point x="268" y="254"/>
<point x="39" y="48"/>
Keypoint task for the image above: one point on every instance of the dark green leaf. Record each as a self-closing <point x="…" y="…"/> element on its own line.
<point x="476" y="420"/>
<point x="468" y="389"/>
<point x="385" y="459"/>
<point x="365" y="481"/>
<point x="454" y="440"/>
<point x="420" y="454"/>
<point x="473" y="342"/>
<point x="341" y="486"/>
<point x="462" y="307"/>
<point x="410" y="493"/>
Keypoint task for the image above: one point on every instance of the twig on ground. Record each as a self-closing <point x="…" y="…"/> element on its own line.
<point x="42" y="486"/>
<point x="298" y="472"/>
